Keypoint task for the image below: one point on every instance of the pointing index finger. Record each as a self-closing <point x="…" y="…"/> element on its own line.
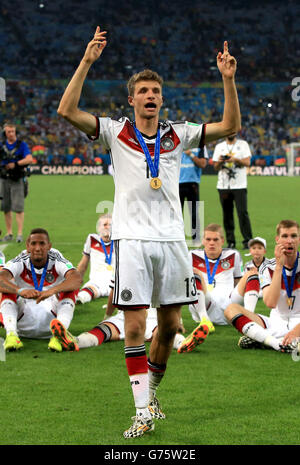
<point x="225" y="47"/>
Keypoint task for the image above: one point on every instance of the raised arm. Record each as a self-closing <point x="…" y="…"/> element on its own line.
<point x="83" y="264"/>
<point x="231" y="122"/>
<point x="271" y="293"/>
<point x="68" y="106"/>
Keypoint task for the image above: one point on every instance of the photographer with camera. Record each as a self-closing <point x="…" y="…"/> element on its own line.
<point x="15" y="156"/>
<point x="231" y="159"/>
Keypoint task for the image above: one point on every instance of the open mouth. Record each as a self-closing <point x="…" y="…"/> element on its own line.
<point x="289" y="249"/>
<point x="150" y="105"/>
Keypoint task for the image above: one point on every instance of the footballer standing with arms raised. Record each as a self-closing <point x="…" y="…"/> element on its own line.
<point x="152" y="262"/>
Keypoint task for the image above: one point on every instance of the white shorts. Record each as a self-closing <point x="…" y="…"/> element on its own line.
<point x="150" y="273"/>
<point x="34" y="319"/>
<point x="118" y="321"/>
<point x="215" y="306"/>
<point x="279" y="327"/>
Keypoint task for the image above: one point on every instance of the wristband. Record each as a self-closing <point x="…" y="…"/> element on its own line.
<point x="20" y="290"/>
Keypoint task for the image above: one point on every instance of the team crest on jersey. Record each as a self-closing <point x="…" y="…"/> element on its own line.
<point x="225" y="265"/>
<point x="167" y="143"/>
<point x="49" y="278"/>
<point x="126" y="295"/>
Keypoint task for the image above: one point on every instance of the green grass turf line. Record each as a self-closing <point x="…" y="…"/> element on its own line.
<point x="218" y="394"/>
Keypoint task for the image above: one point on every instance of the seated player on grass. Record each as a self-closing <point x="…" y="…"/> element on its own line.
<point x="111" y="328"/>
<point x="248" y="291"/>
<point x="39" y="290"/>
<point x="99" y="254"/>
<point x="280" y="282"/>
<point x="216" y="271"/>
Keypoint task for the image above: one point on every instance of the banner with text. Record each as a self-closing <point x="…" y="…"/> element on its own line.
<point x="273" y="171"/>
<point x="84" y="170"/>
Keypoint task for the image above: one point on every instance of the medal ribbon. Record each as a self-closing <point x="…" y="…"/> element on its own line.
<point x="36" y="286"/>
<point x="289" y="289"/>
<point x="153" y="166"/>
<point x="107" y="258"/>
<point x="211" y="276"/>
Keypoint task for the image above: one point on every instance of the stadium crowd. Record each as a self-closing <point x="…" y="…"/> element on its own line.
<point x="34" y="71"/>
<point x="164" y="36"/>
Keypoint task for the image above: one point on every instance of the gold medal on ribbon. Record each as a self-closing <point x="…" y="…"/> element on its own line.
<point x="289" y="301"/>
<point x="109" y="267"/>
<point x="210" y="287"/>
<point x="155" y="183"/>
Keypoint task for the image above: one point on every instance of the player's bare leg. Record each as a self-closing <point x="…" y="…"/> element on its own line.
<point x="20" y="223"/>
<point x="8" y="223"/>
<point x="168" y="324"/>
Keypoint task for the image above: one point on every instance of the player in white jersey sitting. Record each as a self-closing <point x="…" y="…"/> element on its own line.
<point x="280" y="282"/>
<point x="217" y="271"/>
<point x="147" y="225"/>
<point x="99" y="254"/>
<point x="248" y="290"/>
<point x="42" y="293"/>
<point x="111" y="328"/>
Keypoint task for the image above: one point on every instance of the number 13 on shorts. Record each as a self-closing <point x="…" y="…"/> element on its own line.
<point x="190" y="286"/>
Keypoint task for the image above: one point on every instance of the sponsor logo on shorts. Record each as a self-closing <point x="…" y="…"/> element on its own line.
<point x="126" y="295"/>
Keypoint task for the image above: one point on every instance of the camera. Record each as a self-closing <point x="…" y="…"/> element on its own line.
<point x="4" y="156"/>
<point x="14" y="174"/>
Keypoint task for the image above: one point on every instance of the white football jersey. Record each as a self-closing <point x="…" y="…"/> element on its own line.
<point x="229" y="268"/>
<point x="250" y="264"/>
<point x="232" y="176"/>
<point x="98" y="266"/>
<point x="141" y="212"/>
<point x="282" y="309"/>
<point x="20" y="268"/>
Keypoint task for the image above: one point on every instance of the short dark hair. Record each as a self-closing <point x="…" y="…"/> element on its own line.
<point x="287" y="224"/>
<point x="39" y="231"/>
<point x="146" y="75"/>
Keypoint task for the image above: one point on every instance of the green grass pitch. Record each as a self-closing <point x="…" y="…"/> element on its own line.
<point x="216" y="395"/>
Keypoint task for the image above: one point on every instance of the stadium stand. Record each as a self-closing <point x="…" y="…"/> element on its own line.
<point x="44" y="41"/>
